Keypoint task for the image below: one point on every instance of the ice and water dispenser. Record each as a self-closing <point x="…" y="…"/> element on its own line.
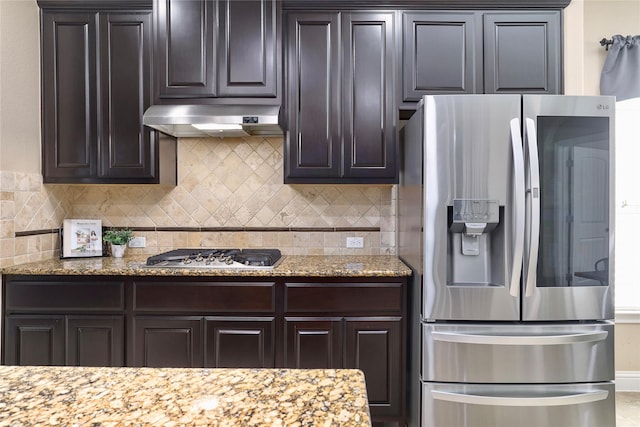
<point x="476" y="244"/>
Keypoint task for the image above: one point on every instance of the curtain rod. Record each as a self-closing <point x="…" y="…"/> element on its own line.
<point x="606" y="43"/>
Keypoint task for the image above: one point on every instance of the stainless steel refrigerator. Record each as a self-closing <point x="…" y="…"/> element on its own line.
<point x="505" y="215"/>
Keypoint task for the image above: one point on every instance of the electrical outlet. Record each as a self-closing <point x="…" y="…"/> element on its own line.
<point x="355" y="242"/>
<point x="138" y="242"/>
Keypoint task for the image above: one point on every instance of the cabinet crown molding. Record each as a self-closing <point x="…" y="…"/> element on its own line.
<point x="424" y="4"/>
<point x="95" y="5"/>
<point x="332" y="4"/>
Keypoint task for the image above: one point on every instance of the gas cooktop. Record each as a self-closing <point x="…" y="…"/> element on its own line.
<point x="217" y="258"/>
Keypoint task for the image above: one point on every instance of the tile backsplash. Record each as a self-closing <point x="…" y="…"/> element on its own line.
<point x="230" y="192"/>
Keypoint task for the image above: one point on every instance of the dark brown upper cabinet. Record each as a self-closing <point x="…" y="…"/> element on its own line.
<point x="449" y="52"/>
<point x="340" y="97"/>
<point x="211" y="51"/>
<point x="249" y="48"/>
<point x="522" y="52"/>
<point x="185" y="40"/>
<point x="442" y="54"/>
<point x="96" y="69"/>
<point x="69" y="96"/>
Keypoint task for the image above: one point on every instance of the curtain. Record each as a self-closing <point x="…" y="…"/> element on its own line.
<point x="621" y="70"/>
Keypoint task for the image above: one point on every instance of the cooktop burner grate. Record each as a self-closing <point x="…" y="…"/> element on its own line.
<point x="217" y="258"/>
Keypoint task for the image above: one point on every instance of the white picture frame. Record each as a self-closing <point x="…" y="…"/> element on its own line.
<point x="81" y="238"/>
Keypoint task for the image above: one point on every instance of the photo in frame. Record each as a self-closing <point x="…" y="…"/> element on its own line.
<point x="81" y="238"/>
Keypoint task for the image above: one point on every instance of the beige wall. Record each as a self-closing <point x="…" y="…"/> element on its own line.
<point x="573" y="48"/>
<point x="24" y="203"/>
<point x="603" y="19"/>
<point x="627" y="346"/>
<point x="19" y="86"/>
<point x="586" y="22"/>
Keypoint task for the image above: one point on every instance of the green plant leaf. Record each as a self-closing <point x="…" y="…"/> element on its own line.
<point x="118" y="236"/>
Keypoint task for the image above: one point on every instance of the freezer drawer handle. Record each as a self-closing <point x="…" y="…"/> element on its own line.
<point x="474" y="399"/>
<point x="519" y="340"/>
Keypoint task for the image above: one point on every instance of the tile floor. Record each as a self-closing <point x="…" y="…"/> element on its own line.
<point x="627" y="409"/>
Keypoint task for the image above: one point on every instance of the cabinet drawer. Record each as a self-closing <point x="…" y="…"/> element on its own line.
<point x="63" y="296"/>
<point x="204" y="297"/>
<point x="349" y="298"/>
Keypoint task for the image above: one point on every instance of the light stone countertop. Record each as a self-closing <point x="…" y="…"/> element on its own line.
<point x="82" y="396"/>
<point x="291" y="265"/>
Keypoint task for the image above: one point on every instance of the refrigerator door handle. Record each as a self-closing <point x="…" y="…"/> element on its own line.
<point x="518" y="207"/>
<point x="533" y="193"/>
<point x="477" y="399"/>
<point x="462" y="338"/>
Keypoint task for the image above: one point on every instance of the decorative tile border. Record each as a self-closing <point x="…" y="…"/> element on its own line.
<point x="222" y="229"/>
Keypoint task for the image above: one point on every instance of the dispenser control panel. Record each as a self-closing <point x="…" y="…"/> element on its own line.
<point x="484" y="211"/>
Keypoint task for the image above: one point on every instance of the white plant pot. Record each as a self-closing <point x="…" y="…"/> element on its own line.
<point x="117" y="251"/>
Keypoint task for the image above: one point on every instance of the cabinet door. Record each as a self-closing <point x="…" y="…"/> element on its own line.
<point x="95" y="341"/>
<point x="375" y="346"/>
<point x="522" y="52"/>
<point x="442" y="54"/>
<point x="248" y="48"/>
<point x="235" y="342"/>
<point x="168" y="342"/>
<point x="126" y="147"/>
<point x="313" y="343"/>
<point x="313" y="144"/>
<point x="368" y="101"/>
<point x="69" y="82"/>
<point x="34" y="340"/>
<point x="185" y="37"/>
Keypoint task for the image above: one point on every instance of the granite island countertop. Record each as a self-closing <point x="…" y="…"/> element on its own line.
<point x="291" y="265"/>
<point x="79" y="396"/>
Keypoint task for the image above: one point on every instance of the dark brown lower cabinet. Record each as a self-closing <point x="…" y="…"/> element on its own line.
<point x="65" y="340"/>
<point x="95" y="340"/>
<point x="301" y="323"/>
<point x="34" y="340"/>
<point x="196" y="341"/>
<point x="373" y="345"/>
<point x="240" y="342"/>
<point x="314" y="343"/>
<point x="168" y="342"/>
<point x="354" y="323"/>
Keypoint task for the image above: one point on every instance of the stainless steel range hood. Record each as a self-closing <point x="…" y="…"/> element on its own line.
<point x="214" y="120"/>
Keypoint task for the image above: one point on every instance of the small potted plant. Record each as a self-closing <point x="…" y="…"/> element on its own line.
<point x="118" y="239"/>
